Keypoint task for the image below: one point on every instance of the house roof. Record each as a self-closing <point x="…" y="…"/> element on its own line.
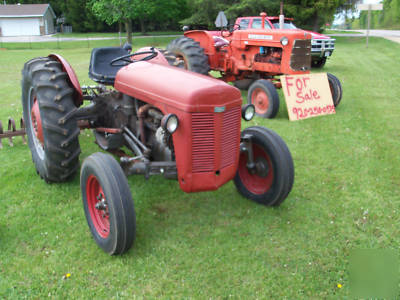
<point x="25" y="10"/>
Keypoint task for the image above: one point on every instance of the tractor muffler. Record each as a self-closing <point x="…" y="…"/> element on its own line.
<point x="12" y="132"/>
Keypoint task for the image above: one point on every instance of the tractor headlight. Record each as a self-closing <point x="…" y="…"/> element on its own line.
<point x="284" y="41"/>
<point x="170" y="123"/>
<point x="248" y="112"/>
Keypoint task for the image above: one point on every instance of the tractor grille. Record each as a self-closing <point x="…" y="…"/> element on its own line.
<point x="203" y="142"/>
<point x="205" y="147"/>
<point x="300" y="59"/>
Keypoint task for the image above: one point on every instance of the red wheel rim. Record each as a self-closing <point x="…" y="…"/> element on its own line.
<point x="97" y="205"/>
<point x="260" y="100"/>
<point x="37" y="121"/>
<point x="255" y="183"/>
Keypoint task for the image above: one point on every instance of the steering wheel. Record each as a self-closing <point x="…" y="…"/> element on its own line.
<point x="128" y="58"/>
<point x="231" y="28"/>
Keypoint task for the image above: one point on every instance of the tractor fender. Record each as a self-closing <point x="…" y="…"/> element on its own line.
<point x="205" y="38"/>
<point x="78" y="99"/>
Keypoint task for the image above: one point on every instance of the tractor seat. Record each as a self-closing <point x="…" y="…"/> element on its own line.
<point x="100" y="69"/>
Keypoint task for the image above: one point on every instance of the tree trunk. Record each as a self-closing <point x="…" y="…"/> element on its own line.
<point x="316" y="23"/>
<point x="142" y="26"/>
<point x="128" y="28"/>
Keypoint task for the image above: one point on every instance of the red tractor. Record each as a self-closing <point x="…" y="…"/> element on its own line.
<point x="252" y="59"/>
<point x="157" y="120"/>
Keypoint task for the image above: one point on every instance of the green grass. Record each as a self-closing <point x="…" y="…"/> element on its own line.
<point x="218" y="244"/>
<point x="330" y="31"/>
<point x="88" y="44"/>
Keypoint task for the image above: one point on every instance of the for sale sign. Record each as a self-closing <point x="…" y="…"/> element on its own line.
<point x="307" y="96"/>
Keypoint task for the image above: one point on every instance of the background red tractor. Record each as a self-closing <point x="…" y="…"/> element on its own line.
<point x="322" y="46"/>
<point x="252" y="59"/>
<point x="158" y="120"/>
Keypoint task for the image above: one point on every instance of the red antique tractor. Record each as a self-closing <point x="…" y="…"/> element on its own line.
<point x="252" y="59"/>
<point x="157" y="120"/>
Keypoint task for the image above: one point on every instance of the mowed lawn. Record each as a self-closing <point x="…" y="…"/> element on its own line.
<point x="217" y="244"/>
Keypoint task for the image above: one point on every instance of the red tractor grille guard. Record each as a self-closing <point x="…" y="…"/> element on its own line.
<point x="214" y="150"/>
<point x="207" y="154"/>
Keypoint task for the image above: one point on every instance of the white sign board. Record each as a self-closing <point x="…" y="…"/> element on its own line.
<point x="221" y="20"/>
<point x="370" y="6"/>
<point x="307" y="96"/>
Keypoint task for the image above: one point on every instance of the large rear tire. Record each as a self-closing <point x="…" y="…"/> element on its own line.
<point x="191" y="53"/>
<point x="263" y="95"/>
<point x="108" y="203"/>
<point x="48" y="109"/>
<point x="271" y="180"/>
<point x="336" y="89"/>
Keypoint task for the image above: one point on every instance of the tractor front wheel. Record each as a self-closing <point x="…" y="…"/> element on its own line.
<point x="318" y="63"/>
<point x="108" y="203"/>
<point x="336" y="88"/>
<point x="266" y="171"/>
<point x="263" y="95"/>
<point x="52" y="130"/>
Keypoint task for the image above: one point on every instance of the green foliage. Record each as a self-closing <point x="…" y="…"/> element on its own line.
<point x="308" y="14"/>
<point x="388" y="18"/>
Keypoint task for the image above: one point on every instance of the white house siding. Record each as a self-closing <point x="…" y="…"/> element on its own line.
<point x="19" y="26"/>
<point x="49" y="22"/>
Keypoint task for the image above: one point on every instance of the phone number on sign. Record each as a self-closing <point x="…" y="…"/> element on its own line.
<point x="302" y="113"/>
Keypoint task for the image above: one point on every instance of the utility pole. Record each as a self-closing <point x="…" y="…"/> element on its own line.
<point x="281" y="17"/>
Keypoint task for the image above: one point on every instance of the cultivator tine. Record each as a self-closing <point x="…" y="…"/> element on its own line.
<point x="12" y="132"/>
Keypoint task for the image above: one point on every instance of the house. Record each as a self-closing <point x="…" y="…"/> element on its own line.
<point x="26" y="19"/>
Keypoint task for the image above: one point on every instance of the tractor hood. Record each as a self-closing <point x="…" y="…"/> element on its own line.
<point x="163" y="85"/>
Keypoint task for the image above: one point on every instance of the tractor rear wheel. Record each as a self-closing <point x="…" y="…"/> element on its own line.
<point x="48" y="109"/>
<point x="336" y="89"/>
<point x="191" y="53"/>
<point x="263" y="95"/>
<point x="108" y="203"/>
<point x="270" y="180"/>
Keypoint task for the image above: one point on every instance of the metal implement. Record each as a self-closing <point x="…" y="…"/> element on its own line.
<point x="12" y="132"/>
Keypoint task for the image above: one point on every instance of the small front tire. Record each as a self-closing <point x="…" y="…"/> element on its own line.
<point x="271" y="179"/>
<point x="108" y="203"/>
<point x="263" y="95"/>
<point x="318" y="63"/>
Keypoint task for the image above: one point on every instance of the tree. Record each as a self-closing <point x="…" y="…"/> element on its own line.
<point x="312" y="14"/>
<point x="309" y="14"/>
<point x="115" y="11"/>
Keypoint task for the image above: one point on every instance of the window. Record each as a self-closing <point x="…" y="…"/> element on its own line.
<point x="244" y="24"/>
<point x="286" y="25"/>
<point x="257" y="24"/>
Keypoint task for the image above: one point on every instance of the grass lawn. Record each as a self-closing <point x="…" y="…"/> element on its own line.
<point x="218" y="244"/>
<point x="334" y="31"/>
